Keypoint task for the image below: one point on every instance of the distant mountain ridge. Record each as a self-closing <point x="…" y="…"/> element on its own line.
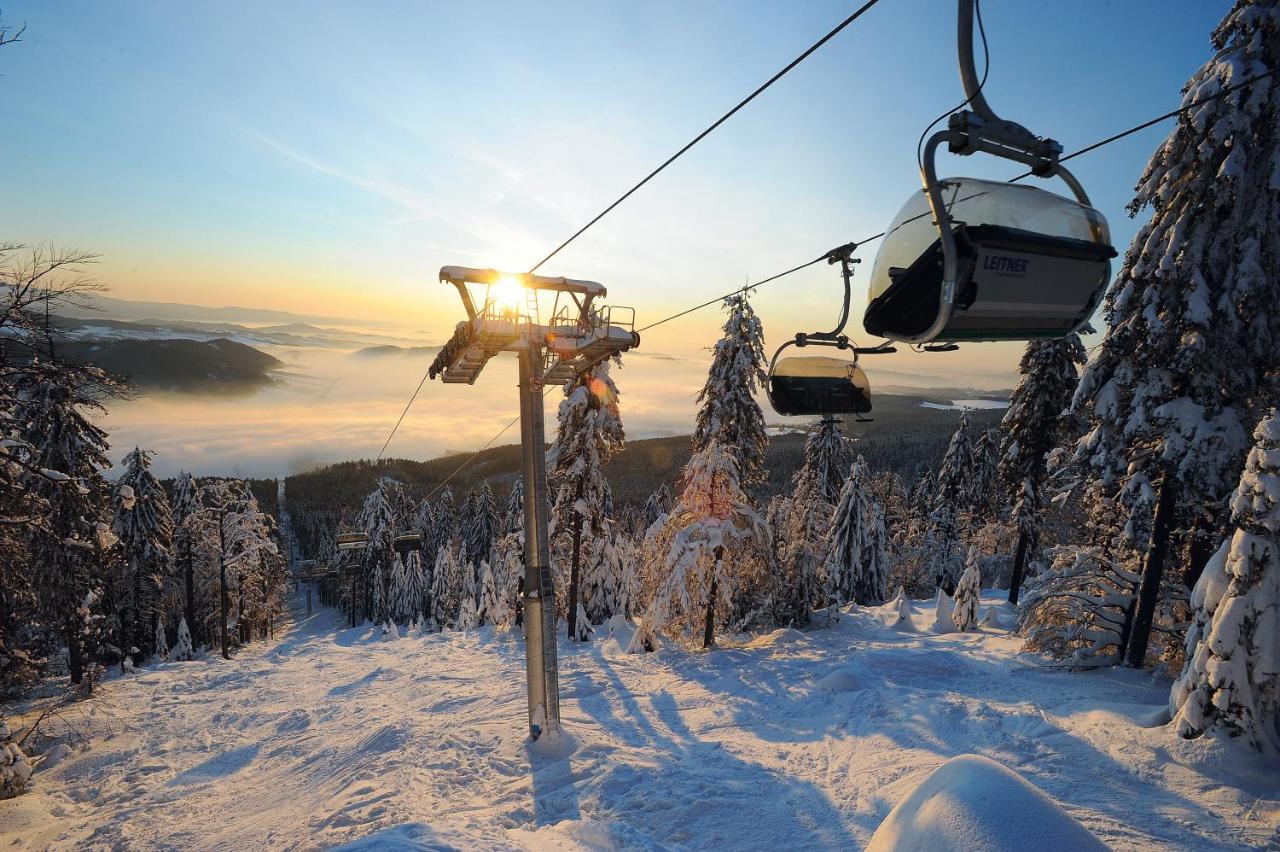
<point x="182" y="366"/>
<point x="127" y="309"/>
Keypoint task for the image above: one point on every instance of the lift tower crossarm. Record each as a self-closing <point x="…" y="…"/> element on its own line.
<point x="554" y="351"/>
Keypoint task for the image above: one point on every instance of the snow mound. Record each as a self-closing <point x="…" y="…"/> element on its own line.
<point x="972" y="802"/>
<point x="897" y="612"/>
<point x="840" y="680"/>
<point x="943" y="607"/>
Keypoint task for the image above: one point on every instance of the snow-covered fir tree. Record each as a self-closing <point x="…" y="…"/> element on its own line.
<point x="399" y="607"/>
<point x="442" y="530"/>
<point x="510" y="573"/>
<point x="443" y="601"/>
<point x="417" y="591"/>
<point x="182" y="649"/>
<point x="488" y="601"/>
<point x="956" y="470"/>
<point x="942" y="535"/>
<point x="964" y="613"/>
<point x="377" y="519"/>
<point x="803" y="524"/>
<point x="728" y="414"/>
<point x="513" y="517"/>
<point x="68" y="456"/>
<point x="589" y="433"/>
<point x="144" y="524"/>
<point x="827" y="458"/>
<point x="695" y="557"/>
<point x="481" y="523"/>
<point x="1076" y="608"/>
<point x="857" y="567"/>
<point x="980" y="491"/>
<point x="1231" y="680"/>
<point x="1032" y="426"/>
<point x="1187" y="363"/>
<point x="16" y="767"/>
<point x="160" y="645"/>
<point x="658" y="504"/>
<point x="613" y="588"/>
<point x="184" y="513"/>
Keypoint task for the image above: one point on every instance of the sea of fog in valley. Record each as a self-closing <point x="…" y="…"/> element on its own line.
<point x="342" y="387"/>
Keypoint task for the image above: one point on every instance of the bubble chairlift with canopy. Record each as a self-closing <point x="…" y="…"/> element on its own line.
<point x="969" y="259"/>
<point x="820" y="384"/>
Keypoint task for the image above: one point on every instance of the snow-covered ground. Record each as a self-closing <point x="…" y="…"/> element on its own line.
<point x="334" y="735"/>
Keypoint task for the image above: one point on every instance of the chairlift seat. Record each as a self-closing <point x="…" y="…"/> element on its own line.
<point x="352" y="541"/>
<point x="406" y="543"/>
<point x="815" y="384"/>
<point x="1032" y="264"/>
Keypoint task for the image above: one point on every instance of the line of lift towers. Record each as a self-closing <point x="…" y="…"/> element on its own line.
<point x="965" y="260"/>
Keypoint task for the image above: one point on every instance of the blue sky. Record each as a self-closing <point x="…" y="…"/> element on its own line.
<point x="329" y="157"/>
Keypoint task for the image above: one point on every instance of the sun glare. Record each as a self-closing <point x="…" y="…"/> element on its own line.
<point x="507" y="295"/>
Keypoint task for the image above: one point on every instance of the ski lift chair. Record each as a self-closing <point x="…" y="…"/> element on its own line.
<point x="352" y="541"/>
<point x="819" y="384"/>
<point x="406" y="543"/>
<point x="971" y="259"/>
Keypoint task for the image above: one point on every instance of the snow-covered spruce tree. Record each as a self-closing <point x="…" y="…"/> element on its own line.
<point x="487" y="597"/>
<point x="801" y="522"/>
<point x="64" y="469"/>
<point x="182" y="648"/>
<point x="887" y="489"/>
<point x="964" y="614"/>
<point x="857" y="568"/>
<point x="399" y="596"/>
<point x="1075" y="609"/>
<point x="15" y="767"/>
<point x="455" y="583"/>
<point x="658" y="504"/>
<point x="729" y="415"/>
<point x="942" y="532"/>
<point x="35" y="284"/>
<point x="980" y="491"/>
<point x="160" y="645"/>
<point x="1187" y="364"/>
<point x="144" y="525"/>
<point x="417" y="588"/>
<point x="513" y="517"/>
<point x="481" y="523"/>
<point x="443" y="604"/>
<point x="804" y="520"/>
<point x="511" y="574"/>
<point x="377" y="520"/>
<point x="185" y="507"/>
<point x="1032" y="426"/>
<point x="588" y="435"/>
<point x="956" y="471"/>
<point x="1231" y="679"/>
<point x="827" y="458"/>
<point x="615" y="585"/>
<point x="443" y="529"/>
<point x="695" y="556"/>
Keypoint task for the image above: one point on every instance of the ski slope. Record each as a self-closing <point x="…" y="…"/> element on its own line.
<point x="332" y="735"/>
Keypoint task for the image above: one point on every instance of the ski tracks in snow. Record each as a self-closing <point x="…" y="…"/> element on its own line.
<point x="798" y="739"/>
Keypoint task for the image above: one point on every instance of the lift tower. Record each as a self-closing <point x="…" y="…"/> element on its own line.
<point x="577" y="335"/>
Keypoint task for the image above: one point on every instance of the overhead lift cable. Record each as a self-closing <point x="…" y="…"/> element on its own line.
<point x="719" y="121"/>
